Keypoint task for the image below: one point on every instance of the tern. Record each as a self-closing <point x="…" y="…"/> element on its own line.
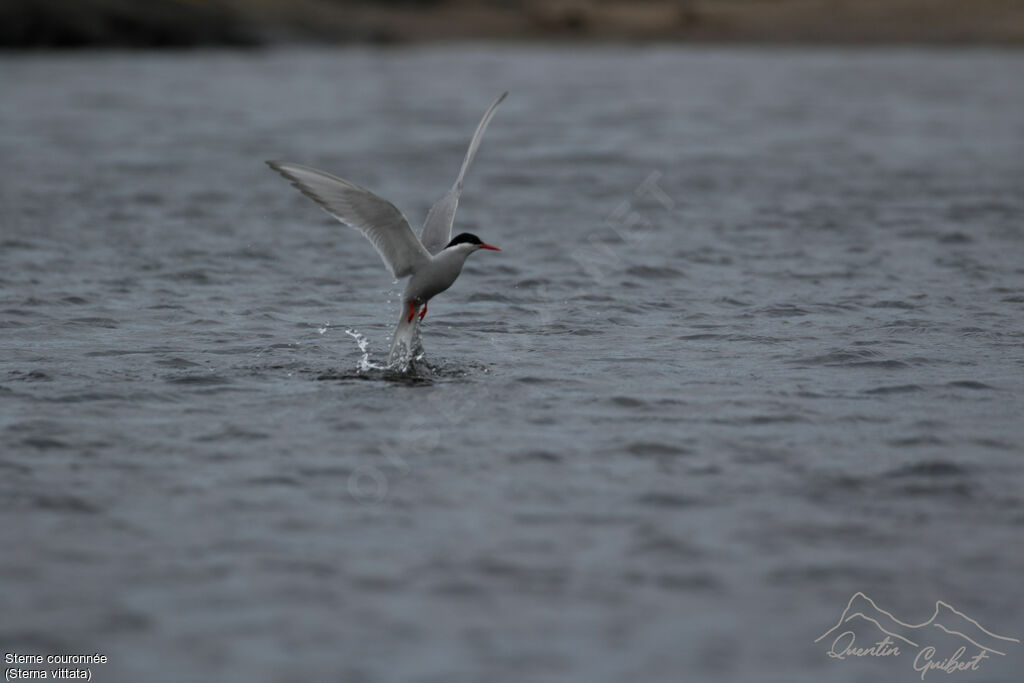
<point x="432" y="262"/>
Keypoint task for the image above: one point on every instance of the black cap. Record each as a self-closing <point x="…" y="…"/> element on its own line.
<point x="464" y="237"/>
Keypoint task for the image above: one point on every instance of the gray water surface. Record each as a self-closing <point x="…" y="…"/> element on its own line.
<point x="755" y="342"/>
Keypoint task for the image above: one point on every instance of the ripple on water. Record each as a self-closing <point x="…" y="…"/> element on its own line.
<point x="954" y="238"/>
<point x="697" y="581"/>
<point x="903" y="305"/>
<point x="756" y="339"/>
<point x="981" y="333"/>
<point x="109" y="323"/>
<point x="933" y="478"/>
<point x="668" y="499"/>
<point x="176" y="363"/>
<point x="702" y="336"/>
<point x="497" y="297"/>
<point x="86" y="397"/>
<point x="894" y="389"/>
<point x="781" y="311"/>
<point x="205" y="379"/>
<point x="628" y="402"/>
<point x="969" y="384"/>
<point x="540" y="456"/>
<point x="30" y="376"/>
<point x="858" y="358"/>
<point x="233" y="433"/>
<point x="193" y="276"/>
<point x="842" y="357"/>
<point x="890" y="364"/>
<point x="928" y="468"/>
<point x="656" y="449"/>
<point x="65" y="503"/>
<point x="844" y="574"/>
<point x="126" y="622"/>
<point x="411" y="377"/>
<point x="654" y="272"/>
<point x="913" y="325"/>
<point x="582" y="331"/>
<point x="272" y="480"/>
<point x="771" y="418"/>
<point x="44" y="443"/>
<point x="533" y="379"/>
<point x="914" y="441"/>
<point x="995" y="444"/>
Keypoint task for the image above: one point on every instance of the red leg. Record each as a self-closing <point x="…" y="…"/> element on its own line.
<point x="412" y="310"/>
<point x="424" y="311"/>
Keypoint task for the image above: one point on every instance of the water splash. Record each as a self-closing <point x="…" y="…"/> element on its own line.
<point x="365" y="364"/>
<point x="406" y="345"/>
<point x="402" y="363"/>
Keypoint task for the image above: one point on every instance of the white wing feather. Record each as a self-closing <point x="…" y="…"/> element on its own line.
<point x="378" y="219"/>
<point x="437" y="229"/>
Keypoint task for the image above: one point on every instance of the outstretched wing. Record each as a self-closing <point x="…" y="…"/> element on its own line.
<point x="378" y="219"/>
<point x="437" y="229"/>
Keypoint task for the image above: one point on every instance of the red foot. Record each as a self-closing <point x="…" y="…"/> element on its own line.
<point x="424" y="311"/>
<point x="412" y="310"/>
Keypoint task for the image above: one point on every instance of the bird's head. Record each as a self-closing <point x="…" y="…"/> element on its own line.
<point x="469" y="243"/>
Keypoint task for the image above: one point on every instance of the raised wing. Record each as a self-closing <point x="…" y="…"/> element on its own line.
<point x="437" y="229"/>
<point x="378" y="219"/>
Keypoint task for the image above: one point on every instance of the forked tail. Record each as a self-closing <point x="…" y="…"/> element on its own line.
<point x="406" y="345"/>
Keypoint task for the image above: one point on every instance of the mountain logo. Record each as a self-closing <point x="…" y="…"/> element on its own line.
<point x="949" y="641"/>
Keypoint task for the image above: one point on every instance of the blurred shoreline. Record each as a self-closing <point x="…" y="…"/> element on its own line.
<point x="41" y="24"/>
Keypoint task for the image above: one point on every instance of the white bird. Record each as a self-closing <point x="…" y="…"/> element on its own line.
<point x="433" y="261"/>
